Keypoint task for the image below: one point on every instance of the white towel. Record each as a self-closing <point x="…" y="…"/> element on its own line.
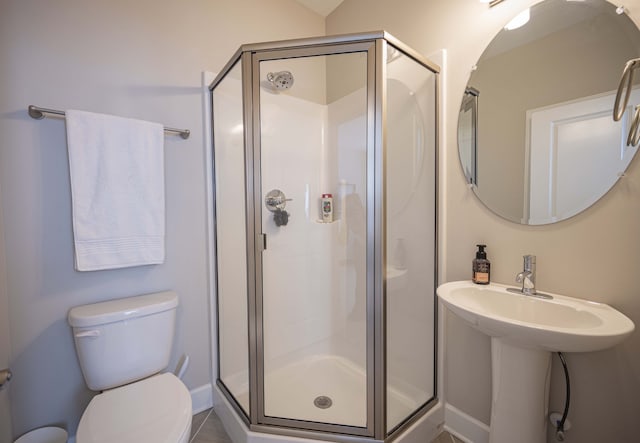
<point x="117" y="190"/>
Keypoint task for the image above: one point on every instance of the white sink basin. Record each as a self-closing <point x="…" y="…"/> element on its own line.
<point x="524" y="331"/>
<point x="560" y="324"/>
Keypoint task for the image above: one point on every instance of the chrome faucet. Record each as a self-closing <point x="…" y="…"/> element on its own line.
<point x="528" y="279"/>
<point x="528" y="276"/>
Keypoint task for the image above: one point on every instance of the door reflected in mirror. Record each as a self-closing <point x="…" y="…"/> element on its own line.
<point x="536" y="138"/>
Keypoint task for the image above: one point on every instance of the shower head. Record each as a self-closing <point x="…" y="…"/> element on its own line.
<point x="280" y="80"/>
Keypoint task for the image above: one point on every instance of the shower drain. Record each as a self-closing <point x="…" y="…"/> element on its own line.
<point x="322" y="402"/>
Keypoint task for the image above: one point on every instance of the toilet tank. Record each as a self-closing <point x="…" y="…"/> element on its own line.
<point x="124" y="340"/>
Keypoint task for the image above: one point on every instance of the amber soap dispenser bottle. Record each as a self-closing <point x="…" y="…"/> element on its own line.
<point x="481" y="267"/>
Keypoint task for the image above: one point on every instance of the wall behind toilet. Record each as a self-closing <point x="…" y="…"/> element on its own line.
<point x="594" y="255"/>
<point x="139" y="59"/>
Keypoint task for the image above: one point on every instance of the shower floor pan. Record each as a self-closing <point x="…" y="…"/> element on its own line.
<point x="291" y="392"/>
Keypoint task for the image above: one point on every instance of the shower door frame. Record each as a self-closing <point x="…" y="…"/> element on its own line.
<point x="374" y="195"/>
<point x="376" y="47"/>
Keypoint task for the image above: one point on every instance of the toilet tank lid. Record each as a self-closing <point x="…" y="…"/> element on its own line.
<point x="122" y="309"/>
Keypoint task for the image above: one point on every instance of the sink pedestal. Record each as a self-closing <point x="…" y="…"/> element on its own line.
<point x="524" y="332"/>
<point x="520" y="393"/>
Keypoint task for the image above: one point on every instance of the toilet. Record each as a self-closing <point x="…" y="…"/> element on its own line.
<point x="122" y="345"/>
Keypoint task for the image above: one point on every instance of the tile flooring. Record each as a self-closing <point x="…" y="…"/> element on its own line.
<point x="445" y="437"/>
<point x="207" y="428"/>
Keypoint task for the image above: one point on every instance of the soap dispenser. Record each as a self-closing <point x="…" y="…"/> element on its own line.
<point x="481" y="267"/>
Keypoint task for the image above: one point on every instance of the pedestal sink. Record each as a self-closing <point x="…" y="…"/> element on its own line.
<point x="524" y="330"/>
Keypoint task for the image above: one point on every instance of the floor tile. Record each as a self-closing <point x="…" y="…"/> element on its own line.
<point x="445" y="437"/>
<point x="211" y="431"/>
<point x="197" y="421"/>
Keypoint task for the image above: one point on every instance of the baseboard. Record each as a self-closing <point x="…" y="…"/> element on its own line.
<point x="464" y="426"/>
<point x="202" y="398"/>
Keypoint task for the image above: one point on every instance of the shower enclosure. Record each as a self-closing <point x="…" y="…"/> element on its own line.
<point x="325" y="235"/>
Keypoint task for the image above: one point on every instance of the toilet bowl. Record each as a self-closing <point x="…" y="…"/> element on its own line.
<point x="122" y="346"/>
<point x="48" y="434"/>
<point x="157" y="409"/>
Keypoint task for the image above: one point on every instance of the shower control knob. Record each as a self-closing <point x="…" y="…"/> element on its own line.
<point x="275" y="200"/>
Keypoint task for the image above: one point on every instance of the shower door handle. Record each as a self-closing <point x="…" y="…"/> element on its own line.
<point x="262" y="241"/>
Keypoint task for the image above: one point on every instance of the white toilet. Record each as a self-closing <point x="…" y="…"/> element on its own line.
<point x="122" y="345"/>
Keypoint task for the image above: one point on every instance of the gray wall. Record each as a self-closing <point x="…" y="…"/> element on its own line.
<point x="594" y="255"/>
<point x="140" y="59"/>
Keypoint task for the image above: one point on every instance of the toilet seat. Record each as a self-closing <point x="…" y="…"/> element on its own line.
<point x="153" y="410"/>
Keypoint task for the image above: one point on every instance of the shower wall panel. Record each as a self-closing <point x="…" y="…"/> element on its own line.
<point x="320" y="149"/>
<point x="297" y="307"/>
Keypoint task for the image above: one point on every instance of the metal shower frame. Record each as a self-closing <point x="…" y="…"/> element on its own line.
<point x="249" y="57"/>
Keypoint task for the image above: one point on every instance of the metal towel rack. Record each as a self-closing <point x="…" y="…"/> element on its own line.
<point x="39" y="113"/>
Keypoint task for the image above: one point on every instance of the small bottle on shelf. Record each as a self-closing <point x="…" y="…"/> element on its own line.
<point x="327" y="208"/>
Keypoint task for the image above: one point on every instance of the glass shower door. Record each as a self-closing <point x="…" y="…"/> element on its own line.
<point x="231" y="237"/>
<point x="311" y="208"/>
<point x="410" y="226"/>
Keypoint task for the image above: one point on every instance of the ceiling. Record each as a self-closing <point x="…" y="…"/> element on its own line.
<point x="322" y="7"/>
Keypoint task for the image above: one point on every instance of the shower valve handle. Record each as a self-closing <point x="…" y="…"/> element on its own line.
<point x="276" y="200"/>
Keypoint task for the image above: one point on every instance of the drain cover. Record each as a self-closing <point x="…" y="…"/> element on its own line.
<point x="322" y="402"/>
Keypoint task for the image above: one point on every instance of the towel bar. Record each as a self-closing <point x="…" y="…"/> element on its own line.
<point x="38" y="113"/>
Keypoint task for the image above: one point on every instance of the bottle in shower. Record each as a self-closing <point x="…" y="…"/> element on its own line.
<point x="327" y="208"/>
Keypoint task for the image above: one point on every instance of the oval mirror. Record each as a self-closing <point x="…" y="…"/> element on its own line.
<point x="536" y="137"/>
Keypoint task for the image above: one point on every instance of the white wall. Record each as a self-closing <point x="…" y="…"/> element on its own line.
<point x="593" y="255"/>
<point x="139" y="59"/>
